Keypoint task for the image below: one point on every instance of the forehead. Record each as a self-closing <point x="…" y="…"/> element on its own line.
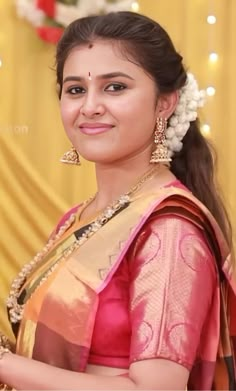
<point x="100" y="57"/>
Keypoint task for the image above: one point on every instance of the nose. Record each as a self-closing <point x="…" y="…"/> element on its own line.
<point x="92" y="105"/>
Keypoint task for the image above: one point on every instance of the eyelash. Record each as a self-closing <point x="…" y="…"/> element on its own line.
<point x="80" y="90"/>
<point x="119" y="85"/>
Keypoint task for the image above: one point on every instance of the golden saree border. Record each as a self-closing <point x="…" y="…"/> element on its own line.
<point x="113" y="240"/>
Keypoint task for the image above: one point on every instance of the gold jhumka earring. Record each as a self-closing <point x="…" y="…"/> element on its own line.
<point x="160" y="154"/>
<point x="71" y="157"/>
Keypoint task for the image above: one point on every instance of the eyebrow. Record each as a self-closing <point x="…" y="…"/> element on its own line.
<point x="105" y="76"/>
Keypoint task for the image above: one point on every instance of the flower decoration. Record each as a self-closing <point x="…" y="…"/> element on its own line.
<point x="190" y="99"/>
<point x="50" y="17"/>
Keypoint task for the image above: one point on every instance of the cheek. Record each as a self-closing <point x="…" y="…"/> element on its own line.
<point x="136" y="107"/>
<point x="138" y="118"/>
<point x="69" y="112"/>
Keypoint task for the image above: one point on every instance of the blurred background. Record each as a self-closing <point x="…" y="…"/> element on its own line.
<point x="35" y="189"/>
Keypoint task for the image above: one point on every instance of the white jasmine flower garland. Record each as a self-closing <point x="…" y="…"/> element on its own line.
<point x="190" y="98"/>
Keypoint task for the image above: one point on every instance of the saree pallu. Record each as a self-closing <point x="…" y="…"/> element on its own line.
<point x="71" y="292"/>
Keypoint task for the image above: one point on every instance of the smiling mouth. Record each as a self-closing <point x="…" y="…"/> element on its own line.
<point x="94" y="129"/>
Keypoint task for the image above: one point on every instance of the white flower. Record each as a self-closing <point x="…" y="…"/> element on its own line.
<point x="179" y="130"/>
<point x="173" y="120"/>
<point x="170" y="132"/>
<point x="65" y="14"/>
<point x="27" y="9"/>
<point x="190" y="98"/>
<point x="182" y="118"/>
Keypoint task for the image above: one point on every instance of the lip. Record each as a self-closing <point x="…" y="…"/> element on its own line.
<point x="94" y="128"/>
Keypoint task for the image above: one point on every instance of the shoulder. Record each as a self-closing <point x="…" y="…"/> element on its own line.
<point x="172" y="241"/>
<point x="170" y="226"/>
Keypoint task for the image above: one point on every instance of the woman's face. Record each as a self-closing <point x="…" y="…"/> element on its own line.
<point x="108" y="104"/>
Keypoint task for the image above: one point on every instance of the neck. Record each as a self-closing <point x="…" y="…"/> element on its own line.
<point x="115" y="181"/>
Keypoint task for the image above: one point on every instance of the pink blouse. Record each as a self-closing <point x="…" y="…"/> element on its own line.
<point x="158" y="303"/>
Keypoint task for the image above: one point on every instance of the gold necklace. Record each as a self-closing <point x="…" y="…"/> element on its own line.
<point x="16" y="309"/>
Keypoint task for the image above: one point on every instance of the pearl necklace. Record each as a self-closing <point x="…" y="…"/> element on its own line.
<point x="16" y="309"/>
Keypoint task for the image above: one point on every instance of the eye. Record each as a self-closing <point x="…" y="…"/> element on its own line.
<point x="75" y="90"/>
<point x="115" y="87"/>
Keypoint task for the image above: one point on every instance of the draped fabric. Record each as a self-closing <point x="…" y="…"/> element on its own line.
<point x="165" y="287"/>
<point x="35" y="189"/>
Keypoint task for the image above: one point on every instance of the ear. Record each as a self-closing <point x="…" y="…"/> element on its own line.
<point x="166" y="104"/>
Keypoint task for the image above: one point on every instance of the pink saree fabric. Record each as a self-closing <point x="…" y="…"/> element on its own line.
<point x="147" y="285"/>
<point x="174" y="269"/>
<point x="151" y="308"/>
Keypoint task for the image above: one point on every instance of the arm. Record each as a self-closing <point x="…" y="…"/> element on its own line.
<point x="26" y="374"/>
<point x="172" y="279"/>
<point x="173" y="283"/>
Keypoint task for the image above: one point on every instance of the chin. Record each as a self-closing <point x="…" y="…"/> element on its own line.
<point x="98" y="157"/>
<point x="96" y="153"/>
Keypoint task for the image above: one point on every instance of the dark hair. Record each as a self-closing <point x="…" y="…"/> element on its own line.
<point x="144" y="41"/>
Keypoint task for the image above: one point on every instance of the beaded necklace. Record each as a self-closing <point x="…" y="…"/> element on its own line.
<point x="16" y="309"/>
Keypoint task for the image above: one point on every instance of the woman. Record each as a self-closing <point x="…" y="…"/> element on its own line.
<point x="130" y="291"/>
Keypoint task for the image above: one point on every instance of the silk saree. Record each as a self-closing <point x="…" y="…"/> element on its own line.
<point x="60" y="313"/>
